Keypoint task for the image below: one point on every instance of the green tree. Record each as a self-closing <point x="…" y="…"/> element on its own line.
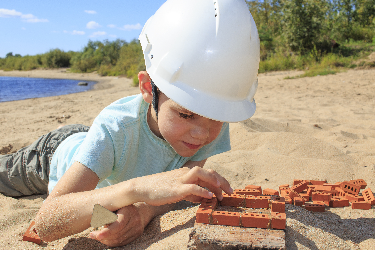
<point x="10" y="54"/>
<point x="303" y="23"/>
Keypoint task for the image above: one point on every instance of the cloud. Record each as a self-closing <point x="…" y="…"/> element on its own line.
<point x="131" y="27"/>
<point x="30" y="18"/>
<point x="127" y="27"/>
<point x="92" y="25"/>
<point x="97" y="34"/>
<point x="78" y="32"/>
<point x="75" y="32"/>
<point x="90" y="12"/>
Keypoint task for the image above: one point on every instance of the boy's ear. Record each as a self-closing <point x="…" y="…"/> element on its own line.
<point x="145" y="86"/>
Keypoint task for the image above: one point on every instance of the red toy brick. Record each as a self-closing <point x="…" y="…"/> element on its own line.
<point x="350" y="188"/>
<point x="305" y="196"/>
<point x="286" y="186"/>
<point x="297" y="181"/>
<point x="254" y="220"/>
<point x="226" y="218"/>
<point x="323" y="188"/>
<point x="353" y="198"/>
<point x="284" y="192"/>
<point x="253" y="192"/>
<point x="299" y="187"/>
<point x="361" y="205"/>
<point x="315" y="207"/>
<point x="338" y="202"/>
<point x="319" y="196"/>
<point x="298" y="201"/>
<point x="317" y="182"/>
<point x="359" y="182"/>
<point x="278" y="220"/>
<point x="203" y="215"/>
<point x="269" y="191"/>
<point x="211" y="203"/>
<point x="254" y="187"/>
<point x="293" y="194"/>
<point x="278" y="206"/>
<point x="288" y="200"/>
<point x="234" y="200"/>
<point x="31" y="234"/>
<point x="368" y="195"/>
<point x="257" y="202"/>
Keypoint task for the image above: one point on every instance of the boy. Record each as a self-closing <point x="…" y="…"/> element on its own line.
<point x="144" y="153"/>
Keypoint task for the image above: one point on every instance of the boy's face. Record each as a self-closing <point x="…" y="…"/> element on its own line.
<point x="185" y="131"/>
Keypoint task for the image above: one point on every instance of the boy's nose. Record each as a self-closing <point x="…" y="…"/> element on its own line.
<point x="201" y="129"/>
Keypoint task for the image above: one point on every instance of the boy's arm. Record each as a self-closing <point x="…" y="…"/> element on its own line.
<point x="133" y="219"/>
<point x="68" y="208"/>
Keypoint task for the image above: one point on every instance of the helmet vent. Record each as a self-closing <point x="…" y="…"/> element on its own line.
<point x="216" y="8"/>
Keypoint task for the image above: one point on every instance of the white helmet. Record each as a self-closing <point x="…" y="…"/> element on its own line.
<point x="204" y="55"/>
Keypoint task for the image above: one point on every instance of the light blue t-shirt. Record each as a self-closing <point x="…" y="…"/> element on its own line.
<point x="120" y="146"/>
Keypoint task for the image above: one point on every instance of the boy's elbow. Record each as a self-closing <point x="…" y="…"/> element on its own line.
<point x="45" y="230"/>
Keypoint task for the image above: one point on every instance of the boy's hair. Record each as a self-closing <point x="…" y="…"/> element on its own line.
<point x="155" y="97"/>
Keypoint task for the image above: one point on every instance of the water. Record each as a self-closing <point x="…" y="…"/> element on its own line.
<point x="19" y="88"/>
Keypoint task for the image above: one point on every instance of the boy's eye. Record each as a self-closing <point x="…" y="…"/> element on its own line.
<point x="186" y="116"/>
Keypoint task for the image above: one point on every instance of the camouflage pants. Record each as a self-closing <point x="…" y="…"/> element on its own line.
<point x="26" y="172"/>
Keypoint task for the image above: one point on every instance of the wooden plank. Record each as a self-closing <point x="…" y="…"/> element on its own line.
<point x="217" y="237"/>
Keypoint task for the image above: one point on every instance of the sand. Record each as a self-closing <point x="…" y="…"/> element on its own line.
<point x="320" y="128"/>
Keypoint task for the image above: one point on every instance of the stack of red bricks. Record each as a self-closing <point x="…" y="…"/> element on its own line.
<point x="250" y="198"/>
<point x="316" y="195"/>
<point x="310" y="194"/>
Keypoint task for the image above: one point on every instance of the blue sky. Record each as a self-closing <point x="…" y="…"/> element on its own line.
<point x="30" y="27"/>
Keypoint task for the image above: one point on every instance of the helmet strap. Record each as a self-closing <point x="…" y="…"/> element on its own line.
<point x="155" y="98"/>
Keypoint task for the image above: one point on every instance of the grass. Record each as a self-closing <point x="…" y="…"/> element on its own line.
<point x="345" y="57"/>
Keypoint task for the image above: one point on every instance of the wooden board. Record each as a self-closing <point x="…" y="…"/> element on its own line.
<point x="216" y="237"/>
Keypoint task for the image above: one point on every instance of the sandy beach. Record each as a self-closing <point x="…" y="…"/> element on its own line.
<point x="316" y="128"/>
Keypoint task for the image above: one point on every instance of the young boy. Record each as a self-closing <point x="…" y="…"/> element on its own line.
<point x="143" y="153"/>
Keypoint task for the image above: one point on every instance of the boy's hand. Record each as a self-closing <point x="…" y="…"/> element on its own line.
<point x="183" y="184"/>
<point x="129" y="226"/>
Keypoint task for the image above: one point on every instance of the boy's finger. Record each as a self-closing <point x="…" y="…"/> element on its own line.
<point x="197" y="174"/>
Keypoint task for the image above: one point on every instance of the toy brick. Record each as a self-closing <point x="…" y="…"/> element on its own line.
<point x="305" y="196"/>
<point x="255" y="220"/>
<point x="277" y="198"/>
<point x="319" y="196"/>
<point x="293" y="194"/>
<point x="254" y="187"/>
<point x="298" y="201"/>
<point x="278" y="220"/>
<point x="278" y="206"/>
<point x="286" y="186"/>
<point x="284" y="192"/>
<point x="334" y="186"/>
<point x="299" y="187"/>
<point x="226" y="218"/>
<point x="350" y="188"/>
<point x="315" y="207"/>
<point x="338" y="202"/>
<point x="317" y="182"/>
<point x="297" y="181"/>
<point x="31" y="235"/>
<point x="257" y="202"/>
<point x="269" y="191"/>
<point x="359" y="182"/>
<point x="253" y="192"/>
<point x="353" y="198"/>
<point x="203" y="215"/>
<point x="211" y="203"/>
<point x="323" y="188"/>
<point x="288" y="200"/>
<point x="361" y="205"/>
<point x="368" y="195"/>
<point x="234" y="200"/>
